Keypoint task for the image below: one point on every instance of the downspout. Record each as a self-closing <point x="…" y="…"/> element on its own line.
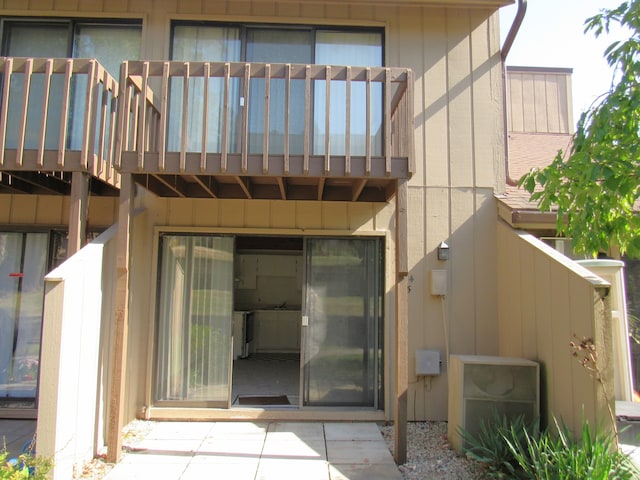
<point x="506" y="47"/>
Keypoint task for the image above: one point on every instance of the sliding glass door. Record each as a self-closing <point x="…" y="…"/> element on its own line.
<point x="211" y="44"/>
<point x="195" y="303"/>
<point x="356" y="49"/>
<point x="342" y="326"/>
<point x="277" y="44"/>
<point x="109" y="43"/>
<point x="23" y="265"/>
<point x="271" y="45"/>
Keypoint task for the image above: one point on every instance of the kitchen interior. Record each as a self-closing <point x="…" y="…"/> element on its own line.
<point x="266" y="322"/>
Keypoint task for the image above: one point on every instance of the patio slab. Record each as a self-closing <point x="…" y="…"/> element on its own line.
<point x="358" y="452"/>
<point x="259" y="451"/>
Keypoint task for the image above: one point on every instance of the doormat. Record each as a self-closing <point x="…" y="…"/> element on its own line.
<point x="262" y="400"/>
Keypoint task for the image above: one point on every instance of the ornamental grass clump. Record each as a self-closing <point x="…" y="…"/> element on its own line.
<point x="490" y="448"/>
<point x="512" y="450"/>
<point x="557" y="455"/>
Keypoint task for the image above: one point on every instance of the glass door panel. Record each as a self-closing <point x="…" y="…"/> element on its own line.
<point x="195" y="319"/>
<point x="356" y="49"/>
<point x="277" y="46"/>
<point x="110" y="45"/>
<point x="23" y="264"/>
<point x="204" y="44"/>
<point x="342" y="355"/>
<point x="35" y="40"/>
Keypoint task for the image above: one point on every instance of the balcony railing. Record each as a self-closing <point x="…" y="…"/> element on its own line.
<point x="57" y="115"/>
<point x="257" y="119"/>
<point x="237" y="130"/>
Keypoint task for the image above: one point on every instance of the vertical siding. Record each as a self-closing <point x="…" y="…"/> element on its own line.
<point x="138" y="370"/>
<point x="539" y="101"/>
<point x="454" y="54"/>
<point x="271" y="214"/>
<point x="432" y="114"/>
<point x="545" y="299"/>
<point x="53" y="211"/>
<point x="459" y="83"/>
<point x="485" y="272"/>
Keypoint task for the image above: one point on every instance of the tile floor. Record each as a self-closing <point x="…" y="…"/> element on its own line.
<point x="259" y="451"/>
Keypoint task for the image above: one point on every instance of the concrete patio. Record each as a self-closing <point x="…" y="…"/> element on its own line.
<point x="259" y="451"/>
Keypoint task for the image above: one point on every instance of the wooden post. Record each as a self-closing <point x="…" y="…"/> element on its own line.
<point x="402" y="326"/>
<point x="78" y="212"/>
<point x="118" y="378"/>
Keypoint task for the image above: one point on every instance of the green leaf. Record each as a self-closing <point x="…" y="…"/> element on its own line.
<point x="593" y="189"/>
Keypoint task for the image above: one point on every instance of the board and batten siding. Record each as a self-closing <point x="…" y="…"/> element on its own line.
<point x="544" y="300"/>
<point x="539" y="100"/>
<point x="459" y="146"/>
<point x="53" y="211"/>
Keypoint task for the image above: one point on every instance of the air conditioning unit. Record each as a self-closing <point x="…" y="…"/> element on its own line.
<point x="478" y="385"/>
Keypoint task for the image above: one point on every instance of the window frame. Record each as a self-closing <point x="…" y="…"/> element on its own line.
<point x="72" y="25"/>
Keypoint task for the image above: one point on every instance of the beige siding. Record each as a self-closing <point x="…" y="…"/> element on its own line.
<point x="236" y="216"/>
<point x="137" y="373"/>
<point x="539" y="100"/>
<point x="454" y="53"/>
<point x="74" y="382"/>
<point x="544" y="300"/>
<point x="53" y="211"/>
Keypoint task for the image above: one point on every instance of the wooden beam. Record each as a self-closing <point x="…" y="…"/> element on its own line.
<point x="185" y="117"/>
<point x="244" y="132"/>
<point x="78" y="212"/>
<point x="265" y="127"/>
<point x="175" y="183"/>
<point x="42" y="182"/>
<point x="282" y="185"/>
<point x="357" y="188"/>
<point x="11" y="184"/>
<point x="321" y="182"/>
<point x="245" y="184"/>
<point x="206" y="186"/>
<point x="401" y="326"/>
<point x="121" y="321"/>
<point x="4" y="108"/>
<point x="315" y="165"/>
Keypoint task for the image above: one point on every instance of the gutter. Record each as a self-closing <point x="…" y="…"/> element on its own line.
<point x="506" y="47"/>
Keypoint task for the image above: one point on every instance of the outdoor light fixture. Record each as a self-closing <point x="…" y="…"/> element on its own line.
<point x="443" y="251"/>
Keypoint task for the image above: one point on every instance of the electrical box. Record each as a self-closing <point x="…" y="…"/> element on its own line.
<point x="438" y="282"/>
<point x="427" y="362"/>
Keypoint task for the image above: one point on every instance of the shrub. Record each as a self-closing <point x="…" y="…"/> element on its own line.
<point x="510" y="449"/>
<point x="26" y="466"/>
<point x="550" y="456"/>
<point x="490" y="448"/>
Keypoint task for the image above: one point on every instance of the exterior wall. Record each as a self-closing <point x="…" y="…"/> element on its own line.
<point x="139" y="312"/>
<point x="246" y="217"/>
<point x="74" y="382"/>
<point x="454" y="53"/>
<point x="545" y="299"/>
<point x="53" y="211"/>
<point x="539" y="100"/>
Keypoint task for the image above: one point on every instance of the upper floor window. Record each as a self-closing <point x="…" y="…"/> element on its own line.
<point x="277" y="44"/>
<point x="109" y="42"/>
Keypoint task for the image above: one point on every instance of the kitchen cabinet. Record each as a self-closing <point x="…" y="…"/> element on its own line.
<point x="276" y="331"/>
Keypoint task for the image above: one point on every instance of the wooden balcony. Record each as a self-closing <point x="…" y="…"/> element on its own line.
<point x="197" y="129"/>
<point x="57" y="116"/>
